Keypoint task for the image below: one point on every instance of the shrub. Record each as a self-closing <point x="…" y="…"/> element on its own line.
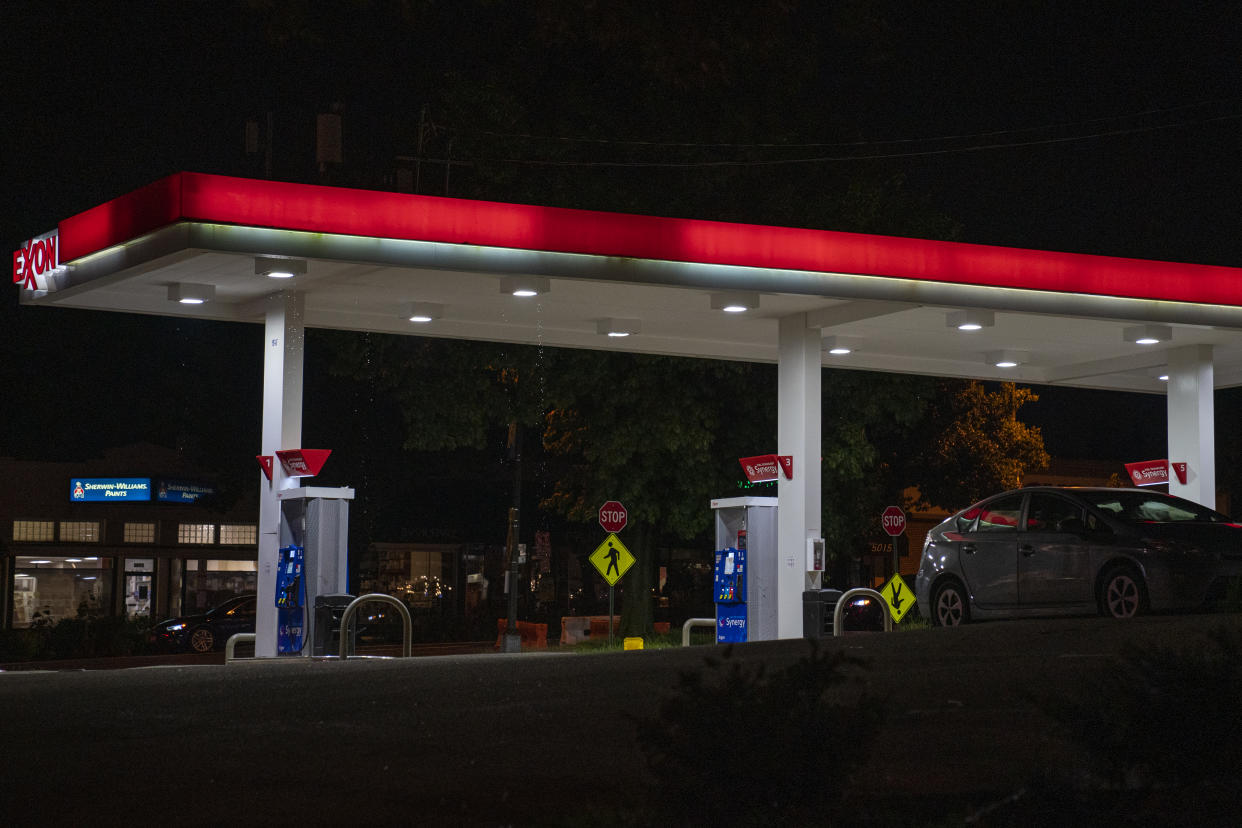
<point x="738" y="746"/>
<point x="1165" y="717"/>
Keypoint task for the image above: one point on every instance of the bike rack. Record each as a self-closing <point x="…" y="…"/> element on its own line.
<point x="844" y="599"/>
<point x="234" y="640"/>
<point x="352" y="609"/>
<point x="694" y="622"/>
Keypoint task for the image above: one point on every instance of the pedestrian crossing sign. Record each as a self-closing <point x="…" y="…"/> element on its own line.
<point x="898" y="597"/>
<point x="612" y="559"/>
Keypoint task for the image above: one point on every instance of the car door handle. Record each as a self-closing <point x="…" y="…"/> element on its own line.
<point x="1026" y="550"/>
<point x="968" y="548"/>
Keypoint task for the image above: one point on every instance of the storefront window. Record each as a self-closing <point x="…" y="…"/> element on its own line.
<point x="79" y="531"/>
<point x="138" y="577"/>
<point x="48" y="589"/>
<point x="34" y="530"/>
<point x="139" y="533"/>
<point x="239" y="534"/>
<point x="196" y="533"/>
<point x="211" y="583"/>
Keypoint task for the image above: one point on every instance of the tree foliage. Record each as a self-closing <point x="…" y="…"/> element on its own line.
<point x="949" y="441"/>
<point x="979" y="446"/>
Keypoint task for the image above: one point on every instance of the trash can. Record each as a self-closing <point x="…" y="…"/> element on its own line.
<point x="818" y="606"/>
<point x="328" y="611"/>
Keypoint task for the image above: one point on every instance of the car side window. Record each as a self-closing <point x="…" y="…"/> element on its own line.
<point x="243" y="610"/>
<point x="1049" y="513"/>
<point x="1096" y="526"/>
<point x="965" y="522"/>
<point x="1001" y="515"/>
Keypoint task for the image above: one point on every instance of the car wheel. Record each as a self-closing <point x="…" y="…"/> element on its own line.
<point x="202" y="640"/>
<point x="1122" y="594"/>
<point x="949" y="608"/>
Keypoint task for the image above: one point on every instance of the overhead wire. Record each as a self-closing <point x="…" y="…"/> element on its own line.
<point x="986" y="145"/>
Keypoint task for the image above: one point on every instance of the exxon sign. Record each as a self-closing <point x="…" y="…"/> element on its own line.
<point x="35" y="261"/>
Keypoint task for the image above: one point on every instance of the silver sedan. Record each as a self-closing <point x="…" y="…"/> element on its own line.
<point x="1058" y="551"/>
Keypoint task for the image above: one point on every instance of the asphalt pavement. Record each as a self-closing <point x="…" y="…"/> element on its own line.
<point x="537" y="738"/>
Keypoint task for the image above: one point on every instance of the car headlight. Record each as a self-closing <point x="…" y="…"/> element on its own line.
<point x="176" y="627"/>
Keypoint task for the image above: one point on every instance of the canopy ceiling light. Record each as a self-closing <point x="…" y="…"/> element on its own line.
<point x="525" y="285"/>
<point x="970" y="320"/>
<point x="1006" y="358"/>
<point x="735" y="301"/>
<point x="188" y="294"/>
<point x="423" y="311"/>
<point x="617" y="327"/>
<point x="276" y="268"/>
<point x="839" y="345"/>
<point x="1147" y="334"/>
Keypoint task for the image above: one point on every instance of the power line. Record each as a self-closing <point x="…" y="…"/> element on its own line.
<point x="876" y="143"/>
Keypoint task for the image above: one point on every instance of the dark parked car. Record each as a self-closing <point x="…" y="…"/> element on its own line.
<point x="1051" y="551"/>
<point x="208" y="631"/>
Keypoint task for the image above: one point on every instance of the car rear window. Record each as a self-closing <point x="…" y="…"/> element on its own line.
<point x="1141" y="507"/>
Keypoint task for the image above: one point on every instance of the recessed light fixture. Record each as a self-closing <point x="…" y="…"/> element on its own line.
<point x="525" y="285"/>
<point x="838" y="345"/>
<point x="1006" y="358"/>
<point x="188" y="294"/>
<point x="1147" y="334"/>
<point x="277" y="268"/>
<point x="617" y="327"/>
<point x="735" y="301"/>
<point x="423" y="312"/>
<point x="970" y="320"/>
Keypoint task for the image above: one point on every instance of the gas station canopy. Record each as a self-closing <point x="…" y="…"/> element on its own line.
<point x="212" y="247"/>
<point x="369" y="261"/>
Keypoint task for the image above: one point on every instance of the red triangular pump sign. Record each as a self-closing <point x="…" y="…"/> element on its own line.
<point x="303" y="462"/>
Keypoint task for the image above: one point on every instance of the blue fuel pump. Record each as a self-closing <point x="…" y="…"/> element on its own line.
<point x="729" y="594"/>
<point x="290" y="600"/>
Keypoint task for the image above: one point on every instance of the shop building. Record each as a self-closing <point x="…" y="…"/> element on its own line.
<point x="131" y="532"/>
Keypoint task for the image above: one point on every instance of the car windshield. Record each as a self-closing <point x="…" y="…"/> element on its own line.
<point x="1142" y="507"/>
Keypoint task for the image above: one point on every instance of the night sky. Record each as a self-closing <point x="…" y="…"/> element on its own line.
<point x="1111" y="128"/>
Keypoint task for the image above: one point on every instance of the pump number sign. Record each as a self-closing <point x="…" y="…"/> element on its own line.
<point x="612" y="559"/>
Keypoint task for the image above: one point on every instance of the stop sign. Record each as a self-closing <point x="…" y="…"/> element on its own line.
<point x="612" y="516"/>
<point x="893" y="520"/>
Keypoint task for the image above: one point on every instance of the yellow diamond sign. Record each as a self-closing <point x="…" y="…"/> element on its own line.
<point x="898" y="597"/>
<point x="612" y="559"/>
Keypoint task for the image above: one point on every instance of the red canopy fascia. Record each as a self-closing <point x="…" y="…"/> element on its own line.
<point x="217" y="199"/>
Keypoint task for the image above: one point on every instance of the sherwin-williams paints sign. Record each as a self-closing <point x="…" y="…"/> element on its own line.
<point x="179" y="491"/>
<point x="110" y="488"/>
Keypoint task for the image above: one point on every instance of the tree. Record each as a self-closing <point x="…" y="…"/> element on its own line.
<point x="953" y="441"/>
<point x="660" y="434"/>
<point x="980" y="445"/>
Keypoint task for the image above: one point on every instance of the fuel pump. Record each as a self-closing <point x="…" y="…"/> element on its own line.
<point x="745" y="590"/>
<point x="730" y="596"/>
<point x="314" y="562"/>
<point x="290" y="600"/>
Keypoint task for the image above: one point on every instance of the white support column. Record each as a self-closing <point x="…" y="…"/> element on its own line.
<point x="797" y="434"/>
<point x="283" y="348"/>
<point x="1192" y="423"/>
